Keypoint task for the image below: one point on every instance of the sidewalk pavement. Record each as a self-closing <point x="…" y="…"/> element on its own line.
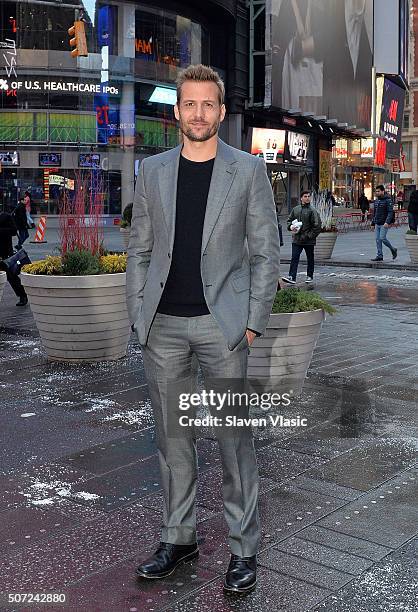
<point x="80" y="498"/>
<point x="351" y="249"/>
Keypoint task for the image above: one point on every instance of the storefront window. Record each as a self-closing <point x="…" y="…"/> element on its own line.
<point x="103" y="104"/>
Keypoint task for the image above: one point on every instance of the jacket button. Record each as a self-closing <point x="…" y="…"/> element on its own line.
<point x="169" y="255"/>
<point x="161" y="285"/>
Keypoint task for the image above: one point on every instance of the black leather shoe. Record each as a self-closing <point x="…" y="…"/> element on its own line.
<point x="377" y="259"/>
<point x="241" y="576"/>
<point x="165" y="560"/>
<point x="394" y="254"/>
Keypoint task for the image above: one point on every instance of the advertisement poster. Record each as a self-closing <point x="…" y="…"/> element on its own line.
<point x="390" y="106"/>
<point x="268" y="144"/>
<point x="321" y="57"/>
<point x="367" y="147"/>
<point x="298" y="147"/>
<point x="324" y="169"/>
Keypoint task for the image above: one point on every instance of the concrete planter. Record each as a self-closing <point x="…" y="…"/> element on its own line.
<point x="412" y="246"/>
<point x="282" y="356"/>
<point x="125" y="232"/>
<point x="325" y="245"/>
<point x="80" y="318"/>
<point x="3" y="279"/>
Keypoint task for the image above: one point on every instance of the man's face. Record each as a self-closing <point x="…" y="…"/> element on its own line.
<point x="379" y="193"/>
<point x="306" y="199"/>
<point x="199" y="113"/>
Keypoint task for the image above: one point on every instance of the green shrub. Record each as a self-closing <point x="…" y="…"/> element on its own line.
<point x="299" y="300"/>
<point x="80" y="263"/>
<point x="411" y="232"/>
<point x="127" y="215"/>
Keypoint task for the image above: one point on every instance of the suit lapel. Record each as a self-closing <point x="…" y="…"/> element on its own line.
<point x="223" y="175"/>
<point x="167" y="184"/>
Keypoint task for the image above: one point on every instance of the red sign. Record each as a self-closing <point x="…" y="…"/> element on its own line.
<point x="380" y="156"/>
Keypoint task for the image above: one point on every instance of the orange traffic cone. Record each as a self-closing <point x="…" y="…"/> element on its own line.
<point x="40" y="232"/>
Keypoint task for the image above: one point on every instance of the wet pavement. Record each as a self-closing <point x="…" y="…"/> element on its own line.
<point x="356" y="248"/>
<point x="80" y="499"/>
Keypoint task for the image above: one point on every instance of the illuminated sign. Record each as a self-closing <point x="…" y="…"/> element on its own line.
<point x="61" y="181"/>
<point x="268" y="144"/>
<point x="143" y="46"/>
<point x="164" y="95"/>
<point x="367" y="147"/>
<point x="341" y="148"/>
<point x="9" y="158"/>
<point x="9" y="56"/>
<point x="47" y="86"/>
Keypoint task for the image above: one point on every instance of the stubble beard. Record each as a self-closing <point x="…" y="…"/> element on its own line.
<point x="209" y="133"/>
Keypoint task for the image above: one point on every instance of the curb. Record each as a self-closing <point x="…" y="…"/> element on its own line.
<point x="359" y="264"/>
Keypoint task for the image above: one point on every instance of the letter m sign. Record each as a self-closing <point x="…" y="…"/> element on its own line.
<point x="393" y="110"/>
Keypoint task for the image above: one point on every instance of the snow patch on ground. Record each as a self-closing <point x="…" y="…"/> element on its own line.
<point x="131" y="417"/>
<point x="49" y="489"/>
<point x="101" y="404"/>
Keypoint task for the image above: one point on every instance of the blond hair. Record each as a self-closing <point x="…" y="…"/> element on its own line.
<point x="200" y="73"/>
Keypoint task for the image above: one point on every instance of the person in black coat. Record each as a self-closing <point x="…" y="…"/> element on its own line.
<point x="7" y="231"/>
<point x="363" y="203"/>
<point x="413" y="211"/>
<point x="21" y="221"/>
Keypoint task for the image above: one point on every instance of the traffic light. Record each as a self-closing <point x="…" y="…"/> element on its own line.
<point x="78" y="40"/>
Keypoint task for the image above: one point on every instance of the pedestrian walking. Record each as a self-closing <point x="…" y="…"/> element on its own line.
<point x="304" y="236"/>
<point x="383" y="218"/>
<point x="203" y="266"/>
<point x="400" y="196"/>
<point x="364" y="205"/>
<point x="20" y="219"/>
<point x="7" y="231"/>
<point x="28" y="206"/>
<point x="413" y="211"/>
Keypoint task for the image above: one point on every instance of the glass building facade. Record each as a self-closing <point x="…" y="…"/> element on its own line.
<point x="63" y="119"/>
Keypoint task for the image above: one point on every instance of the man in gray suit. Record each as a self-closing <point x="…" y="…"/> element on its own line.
<point x="203" y="267"/>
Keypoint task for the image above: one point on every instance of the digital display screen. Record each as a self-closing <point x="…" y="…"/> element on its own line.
<point x="50" y="159"/>
<point x="89" y="160"/>
<point x="9" y="158"/>
<point x="164" y="95"/>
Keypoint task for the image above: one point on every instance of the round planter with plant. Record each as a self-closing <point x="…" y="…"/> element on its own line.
<point x="125" y="224"/>
<point x="79" y="305"/>
<point x="325" y="241"/>
<point x="282" y="356"/>
<point x="78" y="298"/>
<point x="411" y="239"/>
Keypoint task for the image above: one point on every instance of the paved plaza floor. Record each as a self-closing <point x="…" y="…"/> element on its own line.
<point x="80" y="497"/>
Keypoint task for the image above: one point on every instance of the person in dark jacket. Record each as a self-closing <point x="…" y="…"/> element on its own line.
<point x="7" y="231"/>
<point x="383" y="217"/>
<point x="413" y="211"/>
<point x="303" y="238"/>
<point x="363" y="203"/>
<point x="20" y="218"/>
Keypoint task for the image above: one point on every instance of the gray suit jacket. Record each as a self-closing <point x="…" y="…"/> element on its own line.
<point x="240" y="244"/>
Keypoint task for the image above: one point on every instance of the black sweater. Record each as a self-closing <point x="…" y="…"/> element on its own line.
<point x="183" y="292"/>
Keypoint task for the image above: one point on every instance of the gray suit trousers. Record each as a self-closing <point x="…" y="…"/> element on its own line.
<point x="175" y="346"/>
